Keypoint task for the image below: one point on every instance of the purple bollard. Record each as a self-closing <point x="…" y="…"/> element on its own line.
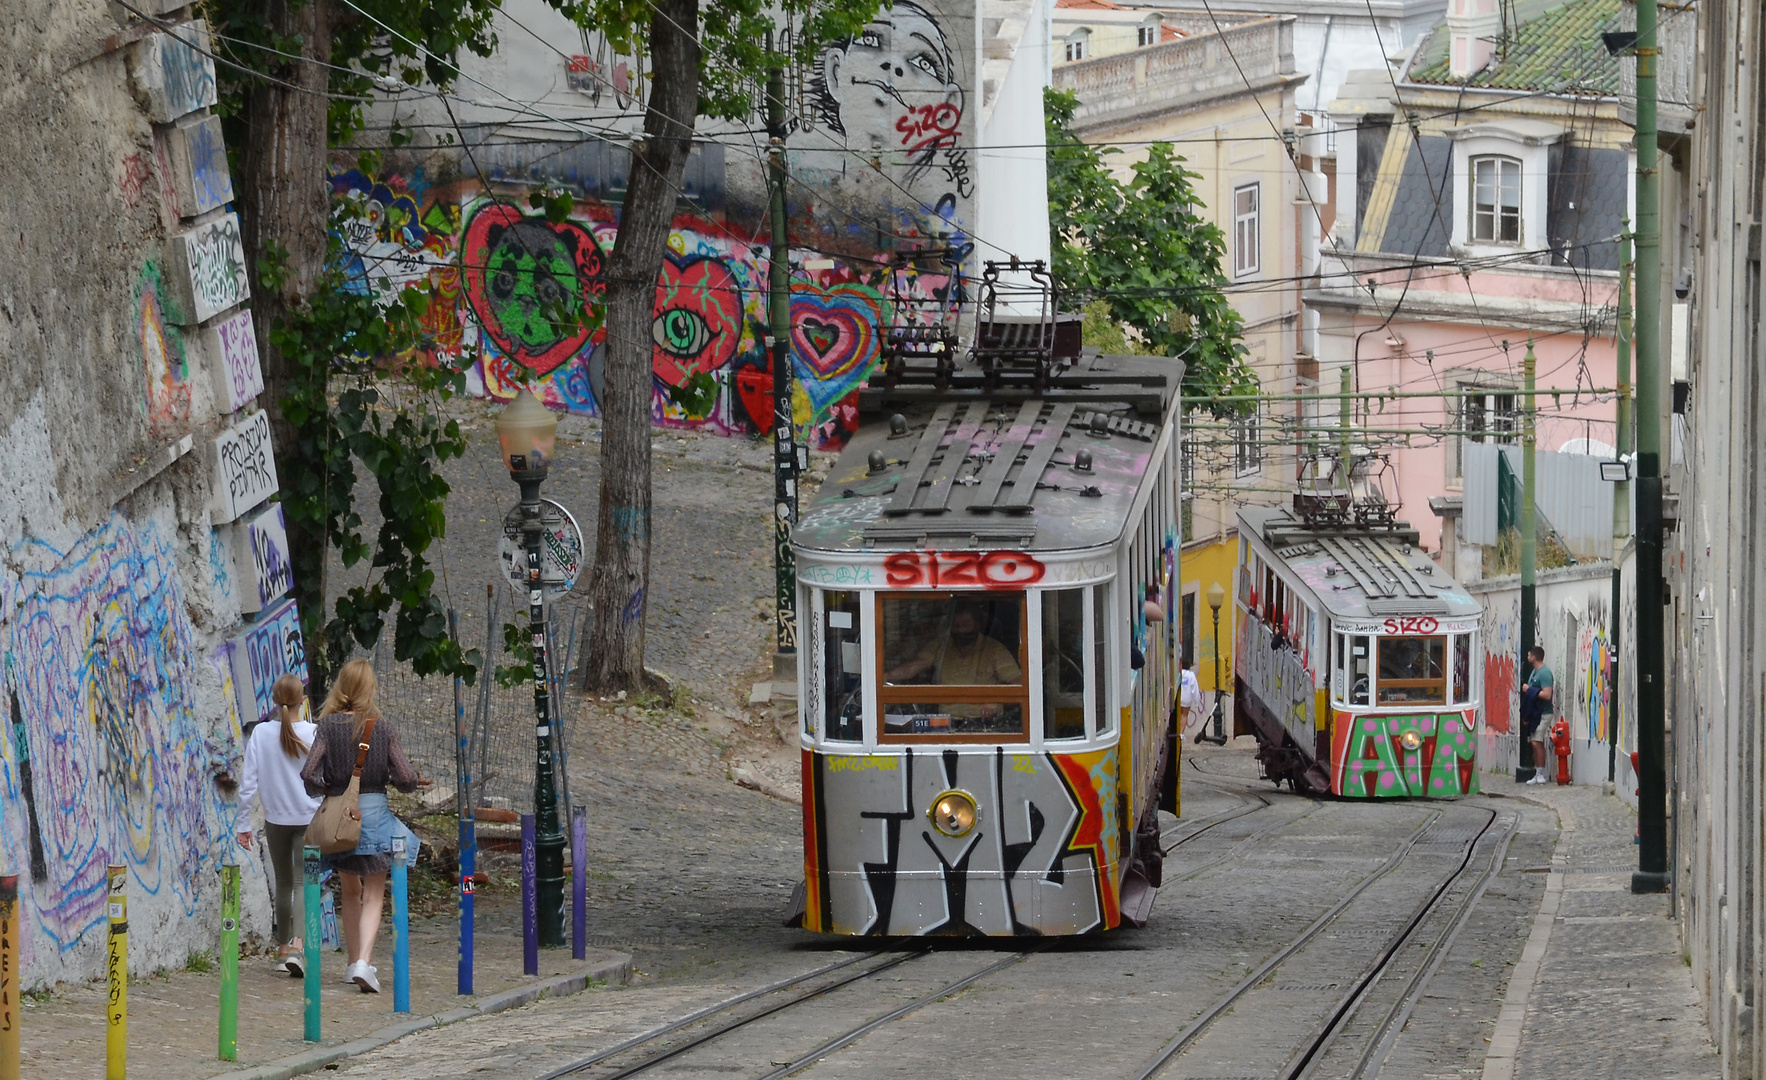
<point x="579" y="881"/>
<point x="530" y="900"/>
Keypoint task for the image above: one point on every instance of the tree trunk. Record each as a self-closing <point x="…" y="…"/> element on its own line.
<point x="283" y="200"/>
<point x="618" y="587"/>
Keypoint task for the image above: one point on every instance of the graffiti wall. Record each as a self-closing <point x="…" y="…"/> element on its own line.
<point x="1574" y="625"/>
<point x="513" y="285"/>
<point x="1041" y="858"/>
<point x="119" y="744"/>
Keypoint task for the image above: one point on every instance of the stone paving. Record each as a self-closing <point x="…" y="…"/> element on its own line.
<point x="1613" y="996"/>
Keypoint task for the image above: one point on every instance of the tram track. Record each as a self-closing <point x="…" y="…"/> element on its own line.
<point x="1308" y="1063"/>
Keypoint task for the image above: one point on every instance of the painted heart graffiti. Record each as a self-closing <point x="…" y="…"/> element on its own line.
<point x="833" y="340"/>
<point x="698" y="324"/>
<point x="526" y="280"/>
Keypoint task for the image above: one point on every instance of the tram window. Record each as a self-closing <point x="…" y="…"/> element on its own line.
<point x="1360" y="669"/>
<point x="952" y="665"/>
<point x="1339" y="658"/>
<point x="1100" y="636"/>
<point x="843" y="708"/>
<point x="1413" y="671"/>
<point x="1063" y="664"/>
<point x="1462" y="670"/>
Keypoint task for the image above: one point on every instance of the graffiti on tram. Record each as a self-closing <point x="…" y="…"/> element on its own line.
<point x="1429" y="754"/>
<point x="1044" y="864"/>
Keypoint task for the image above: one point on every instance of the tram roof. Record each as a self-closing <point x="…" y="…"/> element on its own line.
<point x="1359" y="573"/>
<point x="1016" y="485"/>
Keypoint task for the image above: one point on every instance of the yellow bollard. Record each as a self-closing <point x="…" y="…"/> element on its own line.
<point x="10" y="1068"/>
<point x="116" y="1038"/>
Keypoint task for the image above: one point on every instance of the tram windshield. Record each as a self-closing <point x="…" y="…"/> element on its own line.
<point x="1413" y="671"/>
<point x="953" y="665"/>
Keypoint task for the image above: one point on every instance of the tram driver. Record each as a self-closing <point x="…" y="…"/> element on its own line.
<point x="963" y="657"/>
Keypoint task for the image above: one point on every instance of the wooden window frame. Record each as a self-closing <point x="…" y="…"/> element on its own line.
<point x="915" y="693"/>
<point x="1440" y="685"/>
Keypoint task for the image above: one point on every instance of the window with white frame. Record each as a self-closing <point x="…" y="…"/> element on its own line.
<point x="1076" y="45"/>
<point x="1248" y="443"/>
<point x="1247" y="229"/>
<point x="1147" y="33"/>
<point x="1496" y="200"/>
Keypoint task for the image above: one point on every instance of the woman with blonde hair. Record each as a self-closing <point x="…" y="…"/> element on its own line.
<point x="273" y="758"/>
<point x="348" y="719"/>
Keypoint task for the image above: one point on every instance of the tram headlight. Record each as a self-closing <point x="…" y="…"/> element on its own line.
<point x="1410" y="740"/>
<point x="953" y="813"/>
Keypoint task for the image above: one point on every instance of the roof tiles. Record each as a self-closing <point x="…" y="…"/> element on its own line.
<point x="1557" y="50"/>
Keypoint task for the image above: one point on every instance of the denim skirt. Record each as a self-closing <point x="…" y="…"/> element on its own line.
<point x="373" y="853"/>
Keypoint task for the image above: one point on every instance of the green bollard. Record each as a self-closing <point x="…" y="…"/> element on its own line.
<point x="230" y="962"/>
<point x="311" y="984"/>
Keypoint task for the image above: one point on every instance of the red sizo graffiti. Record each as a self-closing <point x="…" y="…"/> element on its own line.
<point x="938" y="569"/>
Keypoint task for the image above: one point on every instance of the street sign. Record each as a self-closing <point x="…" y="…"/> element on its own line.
<point x="561" y="544"/>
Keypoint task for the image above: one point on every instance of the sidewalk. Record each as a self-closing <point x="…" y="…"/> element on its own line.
<point x="1601" y="989"/>
<point x="174" y="1016"/>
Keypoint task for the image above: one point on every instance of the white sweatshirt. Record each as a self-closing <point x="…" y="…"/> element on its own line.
<point x="273" y="777"/>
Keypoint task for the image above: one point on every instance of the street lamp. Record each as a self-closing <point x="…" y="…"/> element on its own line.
<point x="528" y="431"/>
<point x="1217" y="597"/>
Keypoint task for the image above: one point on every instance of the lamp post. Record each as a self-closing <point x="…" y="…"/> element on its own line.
<point x="528" y="433"/>
<point x="1217" y="597"/>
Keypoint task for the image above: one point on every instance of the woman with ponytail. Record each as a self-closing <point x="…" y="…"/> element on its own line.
<point x="273" y="759"/>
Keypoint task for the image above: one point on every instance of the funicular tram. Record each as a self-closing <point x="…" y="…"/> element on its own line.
<point x="1356" y="659"/>
<point x="987" y="656"/>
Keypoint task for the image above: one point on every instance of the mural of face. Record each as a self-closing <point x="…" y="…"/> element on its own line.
<point x="530" y="281"/>
<point x="895" y="85"/>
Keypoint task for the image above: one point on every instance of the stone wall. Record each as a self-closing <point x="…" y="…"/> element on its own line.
<point x="133" y="495"/>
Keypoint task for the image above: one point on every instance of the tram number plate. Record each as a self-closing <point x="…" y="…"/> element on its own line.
<point x="1412" y="624"/>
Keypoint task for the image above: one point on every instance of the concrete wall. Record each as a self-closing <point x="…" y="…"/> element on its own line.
<point x="1715" y="569"/>
<point x="1575" y="627"/>
<point x="120" y="582"/>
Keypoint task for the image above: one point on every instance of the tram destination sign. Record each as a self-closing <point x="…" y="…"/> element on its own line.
<point x="561" y="549"/>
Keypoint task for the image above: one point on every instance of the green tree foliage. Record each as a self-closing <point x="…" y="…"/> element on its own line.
<point x="1143" y="249"/>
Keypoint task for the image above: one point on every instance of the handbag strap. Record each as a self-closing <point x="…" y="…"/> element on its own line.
<point x="362" y="747"/>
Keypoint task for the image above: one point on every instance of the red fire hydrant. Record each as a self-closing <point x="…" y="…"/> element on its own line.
<point x="1560" y="745"/>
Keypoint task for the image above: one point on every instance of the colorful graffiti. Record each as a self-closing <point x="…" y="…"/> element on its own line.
<point x="164" y="367"/>
<point x="1040" y="860"/>
<point x="526" y="280"/>
<point x="1594" y="681"/>
<point x="110" y="759"/>
<point x="1371" y="756"/>
<point x="1499" y="692"/>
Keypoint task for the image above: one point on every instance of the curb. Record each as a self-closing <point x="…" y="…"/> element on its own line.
<point x="613" y="972"/>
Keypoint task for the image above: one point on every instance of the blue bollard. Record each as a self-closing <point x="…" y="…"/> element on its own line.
<point x="530" y="900"/>
<point x="468" y="864"/>
<point x="401" y="931"/>
<point x="579" y="881"/>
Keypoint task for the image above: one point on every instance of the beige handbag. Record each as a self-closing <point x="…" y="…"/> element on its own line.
<point x="337" y="828"/>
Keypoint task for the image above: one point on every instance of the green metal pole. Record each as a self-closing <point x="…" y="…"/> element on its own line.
<point x="1621" y="496"/>
<point x="310" y="986"/>
<point x="1652" y="772"/>
<point x="548" y="831"/>
<point x="1529" y="539"/>
<point x="779" y="320"/>
<point x="1343" y="413"/>
<point x="229" y="1049"/>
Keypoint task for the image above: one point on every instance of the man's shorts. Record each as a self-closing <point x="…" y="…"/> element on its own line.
<point x="1529" y="727"/>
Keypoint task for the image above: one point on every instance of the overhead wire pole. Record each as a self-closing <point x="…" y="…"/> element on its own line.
<point x="1621" y="495"/>
<point x="1529" y="544"/>
<point x="1652" y="773"/>
<point x="779" y="342"/>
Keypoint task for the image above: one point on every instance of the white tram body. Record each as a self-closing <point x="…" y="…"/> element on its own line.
<point x="986" y="693"/>
<point x="1356" y="660"/>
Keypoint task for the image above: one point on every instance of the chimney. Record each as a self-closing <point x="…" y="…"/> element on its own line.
<point x="1471" y="35"/>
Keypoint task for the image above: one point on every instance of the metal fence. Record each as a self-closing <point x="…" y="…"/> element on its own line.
<point x="499" y="719"/>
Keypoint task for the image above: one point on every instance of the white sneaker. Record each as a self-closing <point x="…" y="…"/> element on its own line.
<point x="1538" y="778"/>
<point x="363" y="976"/>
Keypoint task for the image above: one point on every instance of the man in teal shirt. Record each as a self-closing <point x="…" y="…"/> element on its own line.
<point x="1539" y="694"/>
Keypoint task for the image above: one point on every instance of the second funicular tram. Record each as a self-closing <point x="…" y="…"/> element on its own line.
<point x="1357" y="658"/>
<point x="988" y="666"/>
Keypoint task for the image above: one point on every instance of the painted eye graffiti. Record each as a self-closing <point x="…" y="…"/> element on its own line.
<point x="927" y="64"/>
<point x="681" y="333"/>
